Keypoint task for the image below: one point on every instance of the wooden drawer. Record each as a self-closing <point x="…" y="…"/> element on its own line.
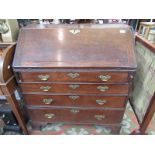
<point x="76" y="88"/>
<point x="75" y="100"/>
<point x="74" y="77"/>
<point x="76" y="115"/>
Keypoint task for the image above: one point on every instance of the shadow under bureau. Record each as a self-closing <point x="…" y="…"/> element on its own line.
<point x="75" y="74"/>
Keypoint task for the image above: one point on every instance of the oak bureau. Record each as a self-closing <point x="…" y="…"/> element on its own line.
<point x="75" y="74"/>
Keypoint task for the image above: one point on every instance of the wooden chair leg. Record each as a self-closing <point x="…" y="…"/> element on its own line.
<point x="148" y="116"/>
<point x="17" y="112"/>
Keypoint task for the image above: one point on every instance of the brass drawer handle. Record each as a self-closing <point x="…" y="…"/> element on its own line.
<point x="73" y="75"/>
<point x="74" y="97"/>
<point x="48" y="100"/>
<point x="99" y="117"/>
<point x="74" y="86"/>
<point x="74" y="111"/>
<point x="103" y="88"/>
<point x="101" y="102"/>
<point x="49" y="115"/>
<point x="45" y="88"/>
<point x="104" y="77"/>
<point x="43" y="77"/>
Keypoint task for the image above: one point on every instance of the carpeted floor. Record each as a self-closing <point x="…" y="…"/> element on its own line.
<point x="129" y="123"/>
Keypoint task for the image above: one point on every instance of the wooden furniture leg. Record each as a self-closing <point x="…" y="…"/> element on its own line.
<point x="17" y="112"/>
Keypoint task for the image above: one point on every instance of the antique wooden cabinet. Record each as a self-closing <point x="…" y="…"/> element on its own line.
<point x="76" y="74"/>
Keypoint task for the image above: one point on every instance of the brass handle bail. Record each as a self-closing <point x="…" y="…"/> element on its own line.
<point x="73" y="75"/>
<point x="49" y="115"/>
<point x="43" y="77"/>
<point x="103" y="88"/>
<point x="75" y="111"/>
<point x="74" y="97"/>
<point x="104" y="77"/>
<point x="99" y="117"/>
<point x="45" y="88"/>
<point x="101" y="102"/>
<point x="47" y="101"/>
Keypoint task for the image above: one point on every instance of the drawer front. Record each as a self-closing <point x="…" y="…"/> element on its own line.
<point x="76" y="88"/>
<point x="76" y="115"/>
<point x="74" y="77"/>
<point x="76" y="100"/>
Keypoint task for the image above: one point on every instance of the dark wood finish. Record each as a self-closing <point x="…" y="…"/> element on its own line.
<point x="9" y="87"/>
<point x="81" y="88"/>
<point x="95" y="46"/>
<point x="67" y="60"/>
<point x="76" y="100"/>
<point x="81" y="76"/>
<point x="83" y="116"/>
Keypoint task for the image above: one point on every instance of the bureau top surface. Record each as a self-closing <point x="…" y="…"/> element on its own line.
<point x="75" y="46"/>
